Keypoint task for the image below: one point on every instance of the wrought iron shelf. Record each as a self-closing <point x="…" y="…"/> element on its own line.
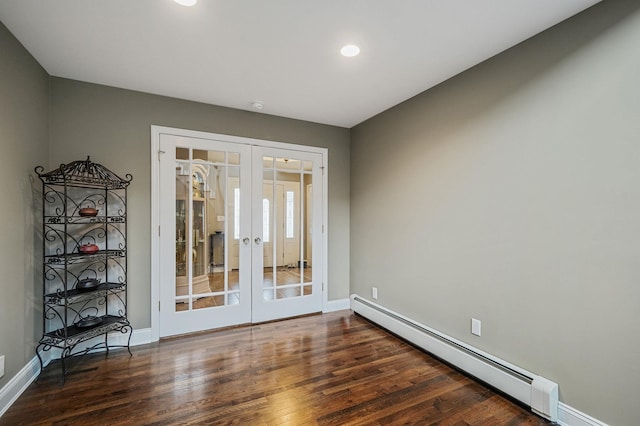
<point x="91" y="184"/>
<point x="72" y="335"/>
<point x="70" y="258"/>
<point x="84" y="174"/>
<point x="83" y="220"/>
<point x="61" y="296"/>
<point x="70" y="194"/>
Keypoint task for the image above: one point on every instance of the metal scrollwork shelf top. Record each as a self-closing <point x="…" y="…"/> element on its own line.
<point x="84" y="173"/>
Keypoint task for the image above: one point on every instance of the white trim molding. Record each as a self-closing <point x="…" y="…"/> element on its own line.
<point x="541" y="395"/>
<point x="336" y="305"/>
<point x="18" y="384"/>
<point x="138" y="337"/>
<point x="569" y="416"/>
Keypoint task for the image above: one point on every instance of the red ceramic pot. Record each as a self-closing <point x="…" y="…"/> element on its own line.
<point x="89" y="248"/>
<point x="88" y="211"/>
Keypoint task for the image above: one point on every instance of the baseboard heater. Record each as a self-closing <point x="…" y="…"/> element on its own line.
<point x="532" y="390"/>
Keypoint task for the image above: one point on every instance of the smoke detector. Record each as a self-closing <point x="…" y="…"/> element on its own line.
<point x="257" y="104"/>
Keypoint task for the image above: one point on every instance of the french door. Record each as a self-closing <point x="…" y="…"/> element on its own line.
<point x="203" y="185"/>
<point x="237" y="227"/>
<point x="286" y="279"/>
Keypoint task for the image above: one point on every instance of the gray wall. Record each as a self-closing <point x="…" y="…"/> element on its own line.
<point x="113" y="126"/>
<point x="24" y="121"/>
<point x="511" y="194"/>
<point x="513" y="190"/>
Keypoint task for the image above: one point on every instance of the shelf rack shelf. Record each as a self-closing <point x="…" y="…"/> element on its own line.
<point x="84" y="233"/>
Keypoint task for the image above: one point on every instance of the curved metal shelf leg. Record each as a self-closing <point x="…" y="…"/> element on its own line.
<point x="40" y="360"/>
<point x="129" y="340"/>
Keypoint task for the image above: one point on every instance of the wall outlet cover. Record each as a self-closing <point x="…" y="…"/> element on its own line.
<point x="476" y="326"/>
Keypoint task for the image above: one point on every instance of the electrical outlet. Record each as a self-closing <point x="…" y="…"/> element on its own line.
<point x="476" y="326"/>
<point x="374" y="292"/>
<point x="220" y="218"/>
<point x="1" y="365"/>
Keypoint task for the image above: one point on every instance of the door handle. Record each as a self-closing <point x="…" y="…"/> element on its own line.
<point x="258" y="240"/>
<point x="246" y="240"/>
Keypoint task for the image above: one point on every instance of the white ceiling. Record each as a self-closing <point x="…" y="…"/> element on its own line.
<point x="284" y="53"/>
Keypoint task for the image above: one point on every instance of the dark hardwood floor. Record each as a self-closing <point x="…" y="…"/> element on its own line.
<point x="332" y="369"/>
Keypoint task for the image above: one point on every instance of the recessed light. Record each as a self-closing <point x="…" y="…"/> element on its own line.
<point x="186" y="2"/>
<point x="350" y="50"/>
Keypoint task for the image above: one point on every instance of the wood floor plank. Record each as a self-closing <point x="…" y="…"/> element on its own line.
<point x="332" y="369"/>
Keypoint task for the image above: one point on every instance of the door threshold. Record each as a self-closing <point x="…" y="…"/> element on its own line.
<point x="233" y="327"/>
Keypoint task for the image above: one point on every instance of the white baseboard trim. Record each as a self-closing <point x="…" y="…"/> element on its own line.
<point x="21" y="381"/>
<point x="18" y="384"/>
<point x="569" y="416"/>
<point x="138" y="337"/>
<point x="337" y="305"/>
<point x="421" y="337"/>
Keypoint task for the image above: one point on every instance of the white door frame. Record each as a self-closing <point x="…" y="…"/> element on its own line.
<point x="156" y="131"/>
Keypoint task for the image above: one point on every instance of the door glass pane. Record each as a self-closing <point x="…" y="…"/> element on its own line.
<point x="205" y="189"/>
<point x="182" y="304"/>
<point x="269" y="232"/>
<point x="198" y="248"/>
<point x="268" y="162"/>
<point x="268" y="295"/>
<point x="216" y="157"/>
<point x="233" y="158"/>
<point x="307" y="229"/>
<point x="232" y="233"/>
<point x="288" y="164"/>
<point x="288" y="291"/>
<point x="289" y="220"/>
<point x="182" y="230"/>
<point x="233" y="298"/>
<point x="182" y="153"/>
<point x="208" y="302"/>
<point x="266" y="220"/>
